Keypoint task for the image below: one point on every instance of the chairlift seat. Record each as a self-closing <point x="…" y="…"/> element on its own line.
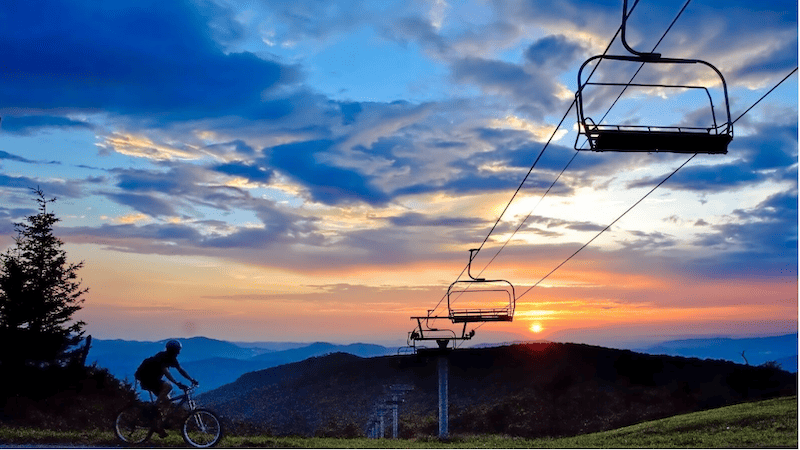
<point x="612" y="138"/>
<point x="481" y="315"/>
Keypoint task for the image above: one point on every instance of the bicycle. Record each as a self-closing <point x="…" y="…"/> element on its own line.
<point x="200" y="427"/>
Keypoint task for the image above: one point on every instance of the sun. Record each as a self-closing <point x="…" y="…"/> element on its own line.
<point x="536" y="328"/>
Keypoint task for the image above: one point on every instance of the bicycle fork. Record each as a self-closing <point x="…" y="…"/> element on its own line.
<point x="197" y="418"/>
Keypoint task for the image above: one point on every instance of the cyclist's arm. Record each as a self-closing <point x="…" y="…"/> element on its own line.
<point x="185" y="375"/>
<point x="170" y="377"/>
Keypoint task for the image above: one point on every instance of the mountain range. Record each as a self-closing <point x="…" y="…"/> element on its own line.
<point x="754" y="351"/>
<point x="215" y="362"/>
<point x="532" y="390"/>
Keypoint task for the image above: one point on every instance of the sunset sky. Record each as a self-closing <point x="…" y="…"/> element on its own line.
<point x="318" y="170"/>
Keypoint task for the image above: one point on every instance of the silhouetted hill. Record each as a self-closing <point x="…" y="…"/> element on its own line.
<point x="215" y="372"/>
<point x="219" y="371"/>
<point x="529" y="389"/>
<point x="782" y="349"/>
<point x="321" y="348"/>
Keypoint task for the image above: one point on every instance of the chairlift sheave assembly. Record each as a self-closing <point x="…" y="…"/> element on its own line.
<point x="712" y="138"/>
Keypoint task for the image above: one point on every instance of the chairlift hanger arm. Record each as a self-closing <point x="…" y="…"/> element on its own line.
<point x="641" y="55"/>
<point x="472" y="253"/>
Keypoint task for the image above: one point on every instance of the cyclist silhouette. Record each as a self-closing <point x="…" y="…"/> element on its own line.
<point x="150" y="374"/>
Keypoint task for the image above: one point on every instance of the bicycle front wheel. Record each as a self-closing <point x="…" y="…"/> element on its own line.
<point x="132" y="425"/>
<point x="202" y="429"/>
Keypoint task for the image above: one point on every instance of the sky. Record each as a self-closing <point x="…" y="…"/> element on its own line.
<point x="318" y="170"/>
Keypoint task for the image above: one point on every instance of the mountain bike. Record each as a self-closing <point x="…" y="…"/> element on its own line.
<point x="199" y="427"/>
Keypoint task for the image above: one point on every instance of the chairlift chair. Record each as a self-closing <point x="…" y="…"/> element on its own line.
<point x="710" y="139"/>
<point x="499" y="295"/>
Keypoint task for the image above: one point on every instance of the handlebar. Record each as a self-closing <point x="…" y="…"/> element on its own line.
<point x="189" y="388"/>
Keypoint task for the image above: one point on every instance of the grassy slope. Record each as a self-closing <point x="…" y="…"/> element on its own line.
<point x="770" y="423"/>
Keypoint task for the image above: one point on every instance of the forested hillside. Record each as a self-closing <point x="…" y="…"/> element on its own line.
<point x="526" y="390"/>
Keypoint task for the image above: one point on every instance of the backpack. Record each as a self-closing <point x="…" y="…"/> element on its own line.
<point x="149" y="368"/>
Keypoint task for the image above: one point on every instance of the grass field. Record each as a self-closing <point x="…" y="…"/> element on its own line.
<point x="771" y="423"/>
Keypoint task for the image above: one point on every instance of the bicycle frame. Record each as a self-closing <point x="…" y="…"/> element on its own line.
<point x="179" y="400"/>
<point x="185" y="398"/>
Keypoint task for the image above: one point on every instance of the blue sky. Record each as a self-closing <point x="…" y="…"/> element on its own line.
<point x="301" y="170"/>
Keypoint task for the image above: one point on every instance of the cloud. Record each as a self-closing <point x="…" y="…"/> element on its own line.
<point x="649" y="242"/>
<point x="422" y="220"/>
<point x="418" y="29"/>
<point x="153" y="59"/>
<point x="16" y="158"/>
<point x="243" y="169"/>
<point x="757" y="243"/>
<point x="733" y="39"/>
<point x="146" y="204"/>
<point x="768" y="154"/>
<point x="138" y="180"/>
<point x="172" y="87"/>
<point x="27" y="125"/>
<point x="705" y="178"/>
<point x="533" y="91"/>
<point x="326" y="183"/>
<point x="576" y="18"/>
<point x="143" y="147"/>
<point x="70" y="189"/>
<point x="554" y="53"/>
<point x="8" y="217"/>
<point x="198" y="237"/>
<point x="181" y="188"/>
<point x="11" y="157"/>
<point x="291" y="22"/>
<point x="551" y="222"/>
<point x="773" y="147"/>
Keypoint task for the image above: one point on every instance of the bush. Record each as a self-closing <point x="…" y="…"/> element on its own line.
<point x="60" y="398"/>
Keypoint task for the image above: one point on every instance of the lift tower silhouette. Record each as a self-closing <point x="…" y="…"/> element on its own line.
<point x="496" y="303"/>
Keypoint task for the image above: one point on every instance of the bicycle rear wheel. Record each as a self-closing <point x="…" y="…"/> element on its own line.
<point x="133" y="424"/>
<point x="201" y="429"/>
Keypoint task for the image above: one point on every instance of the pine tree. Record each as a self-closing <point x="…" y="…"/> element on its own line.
<point x="39" y="293"/>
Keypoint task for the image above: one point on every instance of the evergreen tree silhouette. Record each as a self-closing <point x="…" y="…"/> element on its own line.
<point x="39" y="293"/>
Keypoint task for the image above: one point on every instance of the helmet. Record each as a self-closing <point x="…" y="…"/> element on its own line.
<point x="173" y="346"/>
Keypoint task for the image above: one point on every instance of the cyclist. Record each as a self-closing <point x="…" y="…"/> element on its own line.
<point x="150" y="374"/>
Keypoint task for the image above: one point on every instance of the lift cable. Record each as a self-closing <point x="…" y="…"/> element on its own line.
<point x="609" y="225"/>
<point x="765" y="95"/>
<point x="522" y="222"/>
<point x="647" y="194"/>
<point x="601" y="120"/>
<point x="536" y="161"/>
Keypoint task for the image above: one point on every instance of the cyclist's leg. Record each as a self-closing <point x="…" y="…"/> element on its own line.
<point x="161" y="390"/>
<point x="162" y="401"/>
<point x="164" y="389"/>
